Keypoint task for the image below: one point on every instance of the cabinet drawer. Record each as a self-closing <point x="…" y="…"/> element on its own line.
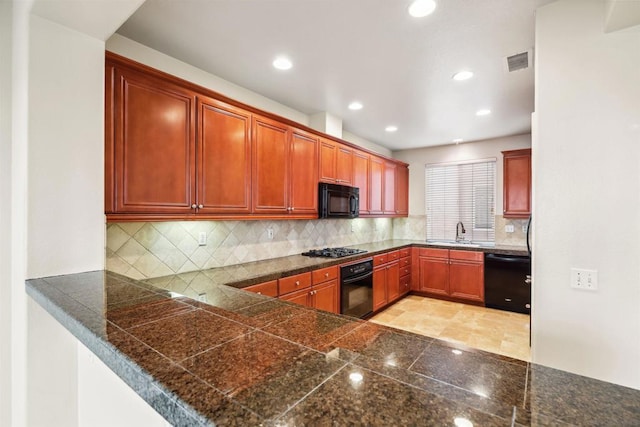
<point x="294" y="283"/>
<point x="380" y="259"/>
<point x="434" y="253"/>
<point x="466" y="255"/>
<point x="405" y="262"/>
<point x="405" y="283"/>
<point x="324" y="274"/>
<point x="405" y="271"/>
<point x="392" y="256"/>
<point x="269" y="289"/>
<point x="405" y="252"/>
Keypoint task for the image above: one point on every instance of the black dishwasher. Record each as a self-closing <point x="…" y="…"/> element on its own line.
<point x="507" y="282"/>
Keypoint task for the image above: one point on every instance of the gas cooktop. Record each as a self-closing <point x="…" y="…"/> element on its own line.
<point x="333" y="252"/>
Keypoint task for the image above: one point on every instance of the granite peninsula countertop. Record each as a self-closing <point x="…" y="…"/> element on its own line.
<point x="244" y="359"/>
<point x="251" y="273"/>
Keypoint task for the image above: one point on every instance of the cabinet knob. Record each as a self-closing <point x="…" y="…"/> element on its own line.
<point x="292" y="209"/>
<point x="259" y="293"/>
<point x="297" y="283"/>
<point x="193" y="206"/>
<point x="200" y="206"/>
<point x="326" y="274"/>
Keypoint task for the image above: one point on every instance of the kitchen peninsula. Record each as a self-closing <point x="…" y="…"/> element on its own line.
<point x="247" y="359"/>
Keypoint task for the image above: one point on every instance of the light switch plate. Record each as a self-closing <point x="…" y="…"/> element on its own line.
<point x="509" y="228"/>
<point x="584" y="279"/>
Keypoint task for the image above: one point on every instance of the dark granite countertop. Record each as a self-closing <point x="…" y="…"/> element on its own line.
<point x="245" y="359"/>
<point x="251" y="273"/>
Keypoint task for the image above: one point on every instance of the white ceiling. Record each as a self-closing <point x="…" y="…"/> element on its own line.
<point x="372" y="51"/>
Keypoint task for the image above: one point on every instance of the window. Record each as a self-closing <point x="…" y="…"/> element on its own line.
<point x="461" y="192"/>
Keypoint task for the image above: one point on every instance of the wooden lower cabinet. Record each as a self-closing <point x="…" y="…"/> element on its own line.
<point x="322" y="294"/>
<point x="269" y="289"/>
<point x="386" y="279"/>
<point x="451" y="274"/>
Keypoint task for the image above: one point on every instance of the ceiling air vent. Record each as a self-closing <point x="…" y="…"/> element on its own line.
<point x="519" y="61"/>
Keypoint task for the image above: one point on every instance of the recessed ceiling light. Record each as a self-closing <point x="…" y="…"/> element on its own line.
<point x="355" y="105"/>
<point x="421" y="8"/>
<point x="483" y="112"/>
<point x="391" y="128"/>
<point x="462" y="75"/>
<point x="458" y="140"/>
<point x="282" y="63"/>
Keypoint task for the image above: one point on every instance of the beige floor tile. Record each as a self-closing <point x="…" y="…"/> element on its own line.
<point x="483" y="328"/>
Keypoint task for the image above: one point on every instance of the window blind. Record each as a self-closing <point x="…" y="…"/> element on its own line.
<point x="461" y="192"/>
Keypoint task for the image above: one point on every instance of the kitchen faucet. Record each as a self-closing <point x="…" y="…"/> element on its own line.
<point x="460" y="231"/>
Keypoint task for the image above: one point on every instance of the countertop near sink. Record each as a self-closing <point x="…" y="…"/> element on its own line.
<point x="245" y="359"/>
<point x="251" y="273"/>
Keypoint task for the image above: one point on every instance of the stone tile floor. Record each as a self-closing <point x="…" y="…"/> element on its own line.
<point x="495" y="331"/>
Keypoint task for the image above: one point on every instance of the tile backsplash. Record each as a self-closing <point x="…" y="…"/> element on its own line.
<point x="154" y="249"/>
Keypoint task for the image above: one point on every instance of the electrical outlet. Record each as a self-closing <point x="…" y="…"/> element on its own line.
<point x="202" y="238"/>
<point x="270" y="233"/>
<point x="524" y="228"/>
<point x="584" y="279"/>
<point x="353" y="227"/>
<point x="509" y="228"/>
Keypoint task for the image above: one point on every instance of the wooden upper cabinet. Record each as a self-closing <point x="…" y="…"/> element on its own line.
<point x="376" y="185"/>
<point x="303" y="188"/>
<point x="224" y="158"/>
<point x="517" y="183"/>
<point x="361" y="178"/>
<point x="153" y="145"/>
<point x="270" y="166"/>
<point x="389" y="188"/>
<point x="402" y="190"/>
<point x="327" y="172"/>
<point x="344" y="165"/>
<point x="336" y="163"/>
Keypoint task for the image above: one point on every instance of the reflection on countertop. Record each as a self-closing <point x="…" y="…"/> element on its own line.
<point x="246" y="359"/>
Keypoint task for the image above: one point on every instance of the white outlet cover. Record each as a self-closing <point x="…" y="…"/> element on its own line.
<point x="584" y="279"/>
<point x="509" y="228"/>
<point x="202" y="238"/>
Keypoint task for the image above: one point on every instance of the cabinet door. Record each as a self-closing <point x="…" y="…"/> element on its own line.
<point x="402" y="190"/>
<point x="154" y="145"/>
<point x="344" y="165"/>
<point x="224" y="158"/>
<point x="466" y="280"/>
<point x="517" y="184"/>
<point x="434" y="275"/>
<point x="361" y="179"/>
<point x="328" y="151"/>
<point x="269" y="289"/>
<point x="325" y="297"/>
<point x="303" y="189"/>
<point x="302" y="297"/>
<point x="393" y="281"/>
<point x="389" y="188"/>
<point x="270" y="166"/>
<point x="376" y="166"/>
<point x="379" y="287"/>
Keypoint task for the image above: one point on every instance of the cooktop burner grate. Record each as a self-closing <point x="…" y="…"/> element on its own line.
<point x="333" y="252"/>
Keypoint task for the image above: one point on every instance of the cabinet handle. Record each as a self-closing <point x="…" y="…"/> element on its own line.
<point x="292" y="209"/>
<point x="297" y="283"/>
<point x="326" y="274"/>
<point x="200" y="206"/>
<point x="193" y="206"/>
<point x="259" y="293"/>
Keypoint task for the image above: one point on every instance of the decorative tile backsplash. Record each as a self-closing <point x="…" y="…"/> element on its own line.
<point x="154" y="249"/>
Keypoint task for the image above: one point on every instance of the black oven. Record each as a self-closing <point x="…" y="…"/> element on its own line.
<point x="338" y="201"/>
<point x="356" y="289"/>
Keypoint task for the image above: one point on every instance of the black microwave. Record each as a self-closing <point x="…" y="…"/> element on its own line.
<point x="338" y="201"/>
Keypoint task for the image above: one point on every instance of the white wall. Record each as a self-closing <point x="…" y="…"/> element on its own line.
<point x="490" y="148"/>
<point x="587" y="193"/>
<point x="5" y="211"/>
<point x="66" y="154"/>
